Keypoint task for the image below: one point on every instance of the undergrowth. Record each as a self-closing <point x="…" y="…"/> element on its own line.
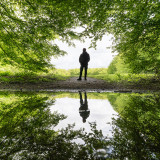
<point x="10" y="74"/>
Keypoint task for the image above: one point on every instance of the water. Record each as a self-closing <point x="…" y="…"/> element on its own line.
<point x="106" y="125"/>
<point x="95" y="110"/>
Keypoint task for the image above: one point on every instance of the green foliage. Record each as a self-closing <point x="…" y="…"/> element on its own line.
<point x="134" y="78"/>
<point x="90" y="95"/>
<point x="10" y="74"/>
<point x="136" y="130"/>
<point x="13" y="74"/>
<point x="135" y="28"/>
<point x="90" y="72"/>
<point x="118" y="66"/>
<point x="27" y="131"/>
<point x="28" y="30"/>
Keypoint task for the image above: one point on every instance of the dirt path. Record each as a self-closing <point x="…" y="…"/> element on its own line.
<point x="90" y="83"/>
<point x="73" y="84"/>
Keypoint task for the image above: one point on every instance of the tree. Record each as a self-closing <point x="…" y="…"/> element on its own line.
<point x="138" y="31"/>
<point x="28" y="28"/>
<point x="135" y="26"/>
<point x="118" y="66"/>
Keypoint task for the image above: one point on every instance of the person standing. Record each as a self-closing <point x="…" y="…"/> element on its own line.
<point x="83" y="60"/>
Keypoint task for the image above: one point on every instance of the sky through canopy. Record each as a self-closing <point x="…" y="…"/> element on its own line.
<point x="100" y="58"/>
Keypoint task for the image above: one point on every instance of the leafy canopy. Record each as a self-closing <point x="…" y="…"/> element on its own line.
<point x="28" y="29"/>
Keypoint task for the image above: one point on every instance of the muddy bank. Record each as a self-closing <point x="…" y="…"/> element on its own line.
<point x="91" y="84"/>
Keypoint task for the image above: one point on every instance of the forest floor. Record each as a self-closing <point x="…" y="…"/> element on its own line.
<point x="90" y="84"/>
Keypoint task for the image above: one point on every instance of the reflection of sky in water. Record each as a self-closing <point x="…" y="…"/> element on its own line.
<point x="101" y="112"/>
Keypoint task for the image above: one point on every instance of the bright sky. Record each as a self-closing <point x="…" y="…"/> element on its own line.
<point x="99" y="58"/>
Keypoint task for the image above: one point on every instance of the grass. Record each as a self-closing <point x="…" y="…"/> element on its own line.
<point x="9" y="74"/>
<point x="124" y="77"/>
<point x="101" y="73"/>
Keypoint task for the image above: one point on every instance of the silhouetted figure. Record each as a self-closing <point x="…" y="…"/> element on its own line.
<point x="83" y="110"/>
<point x="83" y="60"/>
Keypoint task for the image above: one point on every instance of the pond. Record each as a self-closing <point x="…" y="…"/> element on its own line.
<point x="79" y="125"/>
<point x="83" y="110"/>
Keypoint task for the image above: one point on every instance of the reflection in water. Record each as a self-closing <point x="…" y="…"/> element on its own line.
<point x="83" y="110"/>
<point x="136" y="133"/>
<point x="25" y="131"/>
<point x="95" y="110"/>
<point x="26" y="121"/>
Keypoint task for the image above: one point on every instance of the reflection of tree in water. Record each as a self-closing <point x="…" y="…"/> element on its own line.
<point x="137" y="130"/>
<point x="25" y="133"/>
<point x="83" y="110"/>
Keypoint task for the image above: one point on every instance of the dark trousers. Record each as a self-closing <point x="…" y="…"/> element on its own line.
<point x="84" y="105"/>
<point x="81" y="71"/>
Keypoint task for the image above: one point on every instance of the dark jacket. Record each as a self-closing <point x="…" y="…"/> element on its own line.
<point x="84" y="58"/>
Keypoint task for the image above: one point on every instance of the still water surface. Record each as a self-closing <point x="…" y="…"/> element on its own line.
<point x="82" y="111"/>
<point x="115" y="125"/>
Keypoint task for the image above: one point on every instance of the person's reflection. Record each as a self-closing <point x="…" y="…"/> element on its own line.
<point x="83" y="110"/>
